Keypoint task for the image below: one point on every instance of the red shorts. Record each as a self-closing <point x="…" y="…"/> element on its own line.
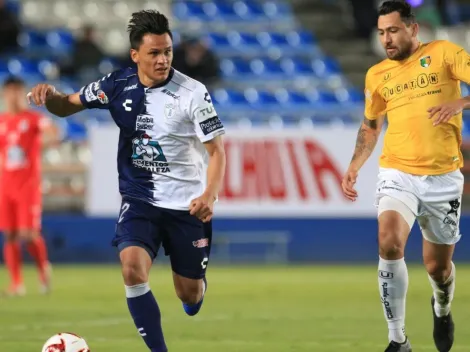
<point x="21" y="211"/>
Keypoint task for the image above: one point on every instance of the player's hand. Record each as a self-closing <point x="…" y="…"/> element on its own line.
<point x="40" y="93"/>
<point x="443" y="113"/>
<point x="202" y="207"/>
<point x="349" y="180"/>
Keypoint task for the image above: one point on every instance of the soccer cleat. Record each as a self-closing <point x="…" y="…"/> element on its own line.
<point x="399" y="347"/>
<point x="14" y="291"/>
<point x="193" y="309"/>
<point x="443" y="330"/>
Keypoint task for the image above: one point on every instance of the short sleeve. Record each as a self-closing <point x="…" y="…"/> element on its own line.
<point x="458" y="61"/>
<point x="375" y="105"/>
<point x="206" y="122"/>
<point x="97" y="95"/>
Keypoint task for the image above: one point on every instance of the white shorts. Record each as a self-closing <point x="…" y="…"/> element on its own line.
<point x="434" y="200"/>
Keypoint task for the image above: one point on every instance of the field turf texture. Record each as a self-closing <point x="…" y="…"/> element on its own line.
<point x="247" y="309"/>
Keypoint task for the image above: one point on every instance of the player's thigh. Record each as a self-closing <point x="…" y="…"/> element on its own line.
<point x="397" y="207"/>
<point x="136" y="236"/>
<point x="8" y="216"/>
<point x="439" y="213"/>
<point x="188" y="244"/>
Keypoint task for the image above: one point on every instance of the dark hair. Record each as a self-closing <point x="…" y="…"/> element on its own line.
<point x="13" y="80"/>
<point x="144" y="22"/>
<point x="402" y="7"/>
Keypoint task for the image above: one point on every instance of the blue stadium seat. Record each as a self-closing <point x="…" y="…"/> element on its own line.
<point x="48" y="68"/>
<point x="188" y="10"/>
<point x="32" y="40"/>
<point x="299" y="67"/>
<point x="228" y="98"/>
<point x="349" y="96"/>
<point x="235" y="68"/>
<point x="217" y="40"/>
<point x="14" y="7"/>
<point x="324" y="67"/>
<point x="266" y="69"/>
<point x="75" y="131"/>
<point x="60" y="41"/>
<point x="276" y="10"/>
<point x="22" y="66"/>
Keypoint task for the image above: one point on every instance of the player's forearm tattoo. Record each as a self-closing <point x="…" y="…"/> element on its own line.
<point x="366" y="140"/>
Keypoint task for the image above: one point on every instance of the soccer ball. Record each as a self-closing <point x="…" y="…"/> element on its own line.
<point x="66" y="342"/>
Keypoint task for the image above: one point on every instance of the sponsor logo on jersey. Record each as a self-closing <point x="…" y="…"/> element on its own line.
<point x="130" y="87"/>
<point x="102" y="97"/>
<point x="148" y="154"/>
<point x="425" y="61"/>
<point x="211" y="125"/>
<point x="203" y="242"/>
<point x="144" y="122"/>
<point x="170" y="93"/>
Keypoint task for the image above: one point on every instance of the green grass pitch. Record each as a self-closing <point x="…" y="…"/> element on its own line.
<point x="247" y="309"/>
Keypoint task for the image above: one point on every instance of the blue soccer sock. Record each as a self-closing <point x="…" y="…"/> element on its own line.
<point x="146" y="314"/>
<point x="193" y="309"/>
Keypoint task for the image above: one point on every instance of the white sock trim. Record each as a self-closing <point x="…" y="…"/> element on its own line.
<point x="137" y="290"/>
<point x="390" y="261"/>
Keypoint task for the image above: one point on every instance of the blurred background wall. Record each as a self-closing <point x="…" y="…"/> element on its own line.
<point x="287" y="80"/>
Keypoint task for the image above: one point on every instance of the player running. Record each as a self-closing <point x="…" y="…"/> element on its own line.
<point x="167" y="124"/>
<point x="21" y="134"/>
<point x="418" y="88"/>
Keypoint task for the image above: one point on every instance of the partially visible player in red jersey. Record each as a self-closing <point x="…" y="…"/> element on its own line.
<point x="21" y="134"/>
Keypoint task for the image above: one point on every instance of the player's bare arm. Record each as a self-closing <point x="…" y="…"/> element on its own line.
<point x="202" y="207"/>
<point x="57" y="103"/>
<point x="366" y="141"/>
<point x="444" y="112"/>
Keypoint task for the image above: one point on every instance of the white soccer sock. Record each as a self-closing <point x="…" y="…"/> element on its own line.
<point x="137" y="290"/>
<point x="393" y="285"/>
<point x="443" y="294"/>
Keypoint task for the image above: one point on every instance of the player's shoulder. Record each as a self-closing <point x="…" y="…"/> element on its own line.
<point x="440" y="44"/>
<point x="375" y="74"/>
<point x="120" y="77"/>
<point x="187" y="83"/>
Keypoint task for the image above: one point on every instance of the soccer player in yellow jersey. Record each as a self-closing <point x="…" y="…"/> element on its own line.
<point x="418" y="89"/>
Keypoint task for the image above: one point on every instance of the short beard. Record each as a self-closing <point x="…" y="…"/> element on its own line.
<point x="402" y="55"/>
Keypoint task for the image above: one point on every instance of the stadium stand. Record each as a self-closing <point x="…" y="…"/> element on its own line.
<point x="274" y="69"/>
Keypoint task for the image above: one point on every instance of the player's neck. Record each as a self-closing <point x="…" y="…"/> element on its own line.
<point x="148" y="82"/>
<point x="16" y="110"/>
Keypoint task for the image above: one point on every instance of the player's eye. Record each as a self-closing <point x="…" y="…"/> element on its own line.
<point x="168" y="52"/>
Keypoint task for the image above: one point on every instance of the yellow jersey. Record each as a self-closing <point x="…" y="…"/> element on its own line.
<point x="404" y="91"/>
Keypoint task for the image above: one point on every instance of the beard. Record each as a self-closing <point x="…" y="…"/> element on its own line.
<point x="401" y="54"/>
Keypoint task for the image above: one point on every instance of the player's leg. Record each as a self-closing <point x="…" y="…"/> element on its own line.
<point x="395" y="222"/>
<point x="439" y="224"/>
<point x="13" y="262"/>
<point x="29" y="225"/>
<point x="11" y="247"/>
<point x="397" y="208"/>
<point x="138" y="242"/>
<point x="188" y="244"/>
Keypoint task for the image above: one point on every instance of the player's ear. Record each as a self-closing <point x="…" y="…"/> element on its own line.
<point x="415" y="29"/>
<point x="134" y="55"/>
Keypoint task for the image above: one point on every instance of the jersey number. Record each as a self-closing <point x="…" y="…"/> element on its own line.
<point x="125" y="207"/>
<point x="126" y="103"/>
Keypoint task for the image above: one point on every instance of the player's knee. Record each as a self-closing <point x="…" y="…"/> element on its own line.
<point x="26" y="235"/>
<point x="438" y="271"/>
<point x="390" y="245"/>
<point x="134" y="274"/>
<point x="189" y="294"/>
<point x="10" y="236"/>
